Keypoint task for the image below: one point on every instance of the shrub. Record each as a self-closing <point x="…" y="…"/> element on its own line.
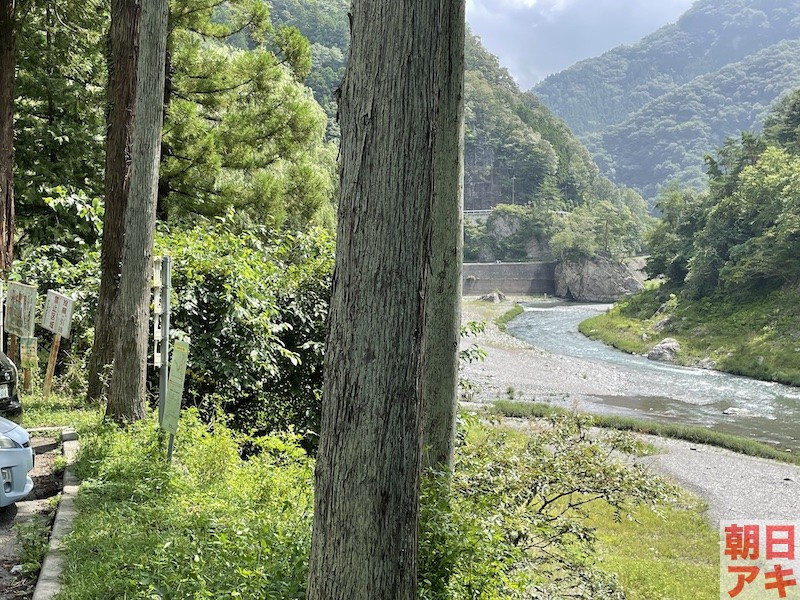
<point x="511" y="523"/>
<point x="254" y="304"/>
<point x="255" y="309"/>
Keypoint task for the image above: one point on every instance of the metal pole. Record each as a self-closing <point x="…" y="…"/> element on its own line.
<point x="513" y="181"/>
<point x="166" y="286"/>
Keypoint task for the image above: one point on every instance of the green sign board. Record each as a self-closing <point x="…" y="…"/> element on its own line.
<point x="28" y="352"/>
<point x="177" y="374"/>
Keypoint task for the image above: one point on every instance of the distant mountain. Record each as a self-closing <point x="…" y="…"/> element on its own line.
<point x="651" y="111"/>
<point x="516" y="151"/>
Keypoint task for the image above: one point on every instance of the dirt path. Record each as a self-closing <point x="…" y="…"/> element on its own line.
<point x="46" y="484"/>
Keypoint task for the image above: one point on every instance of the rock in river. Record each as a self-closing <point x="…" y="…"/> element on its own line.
<point x="666" y="350"/>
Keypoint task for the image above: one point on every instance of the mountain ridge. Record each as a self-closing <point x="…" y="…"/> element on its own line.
<point x="620" y="90"/>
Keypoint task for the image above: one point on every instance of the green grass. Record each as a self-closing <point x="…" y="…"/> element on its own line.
<point x="672" y="554"/>
<point x="59" y="410"/>
<point x="664" y="552"/>
<point x="697" y="435"/>
<point x="756" y="335"/>
<point x="503" y="320"/>
<point x="209" y="525"/>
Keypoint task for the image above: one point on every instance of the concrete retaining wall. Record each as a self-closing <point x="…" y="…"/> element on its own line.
<point x="532" y="278"/>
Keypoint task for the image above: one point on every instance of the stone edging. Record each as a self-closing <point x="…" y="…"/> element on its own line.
<point x="49" y="582"/>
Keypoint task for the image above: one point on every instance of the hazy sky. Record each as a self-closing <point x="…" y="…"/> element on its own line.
<point x="535" y="38"/>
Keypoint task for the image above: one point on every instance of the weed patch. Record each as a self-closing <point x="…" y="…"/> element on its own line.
<point x="697" y="435"/>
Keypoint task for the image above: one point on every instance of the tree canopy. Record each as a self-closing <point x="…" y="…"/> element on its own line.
<point x="242" y="130"/>
<point x="744" y="233"/>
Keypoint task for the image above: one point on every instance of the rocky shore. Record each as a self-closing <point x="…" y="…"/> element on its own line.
<point x="513" y="367"/>
<point x="734" y="486"/>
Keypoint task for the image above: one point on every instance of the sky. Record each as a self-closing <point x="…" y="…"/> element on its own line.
<point x="535" y="38"/>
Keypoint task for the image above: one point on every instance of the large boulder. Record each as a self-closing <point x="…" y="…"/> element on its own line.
<point x="666" y="350"/>
<point x="595" y="280"/>
<point x="496" y="297"/>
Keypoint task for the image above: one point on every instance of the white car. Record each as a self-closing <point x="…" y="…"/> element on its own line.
<point x="16" y="460"/>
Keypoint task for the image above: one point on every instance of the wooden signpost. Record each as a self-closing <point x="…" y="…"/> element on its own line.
<point x="57" y="317"/>
<point x="29" y="360"/>
<point x="20" y="319"/>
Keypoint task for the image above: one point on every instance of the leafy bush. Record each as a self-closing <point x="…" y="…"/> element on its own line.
<point x="255" y="309"/>
<point x="511" y="523"/>
<point x="253" y="302"/>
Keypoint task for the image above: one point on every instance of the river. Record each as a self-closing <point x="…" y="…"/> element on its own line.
<point x="653" y="390"/>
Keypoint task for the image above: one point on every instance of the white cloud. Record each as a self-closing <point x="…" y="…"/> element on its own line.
<point x="535" y="38"/>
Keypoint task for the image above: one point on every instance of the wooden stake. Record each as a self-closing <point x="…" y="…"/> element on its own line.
<point x="13" y="348"/>
<point x="51" y="366"/>
<point x="27" y="378"/>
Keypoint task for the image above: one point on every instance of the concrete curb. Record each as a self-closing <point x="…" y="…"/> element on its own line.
<point x="49" y="582"/>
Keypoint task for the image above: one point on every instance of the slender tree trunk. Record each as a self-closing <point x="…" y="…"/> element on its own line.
<point x="123" y="57"/>
<point x="366" y="505"/>
<point x="8" y="55"/>
<point x="126" y="396"/>
<point x="443" y="295"/>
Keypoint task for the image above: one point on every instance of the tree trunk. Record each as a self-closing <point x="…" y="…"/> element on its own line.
<point x="130" y="311"/>
<point x="123" y="55"/>
<point x="393" y="124"/>
<point x="8" y="55"/>
<point x="443" y="295"/>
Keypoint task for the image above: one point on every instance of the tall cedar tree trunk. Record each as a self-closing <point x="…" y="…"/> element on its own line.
<point x="443" y="295"/>
<point x="405" y="59"/>
<point x="8" y="55"/>
<point x="130" y="311"/>
<point x="123" y="55"/>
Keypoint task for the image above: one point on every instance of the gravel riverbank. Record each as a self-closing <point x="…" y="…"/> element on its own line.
<point x="734" y="486"/>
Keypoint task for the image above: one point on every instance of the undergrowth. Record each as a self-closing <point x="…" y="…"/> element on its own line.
<point x="510" y="524"/>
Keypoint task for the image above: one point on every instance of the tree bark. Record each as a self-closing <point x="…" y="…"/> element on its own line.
<point x="443" y="295"/>
<point x="8" y="56"/>
<point x="123" y="57"/>
<point x="393" y="125"/>
<point x="130" y="311"/>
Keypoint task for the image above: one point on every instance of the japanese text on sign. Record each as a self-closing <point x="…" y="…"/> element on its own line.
<point x="21" y="309"/>
<point x="758" y="560"/>
<point x="57" y="315"/>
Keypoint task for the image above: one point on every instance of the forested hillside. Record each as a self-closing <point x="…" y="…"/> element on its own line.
<point x="667" y="139"/>
<point x="729" y="259"/>
<point x="515" y="150"/>
<point x="718" y="68"/>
